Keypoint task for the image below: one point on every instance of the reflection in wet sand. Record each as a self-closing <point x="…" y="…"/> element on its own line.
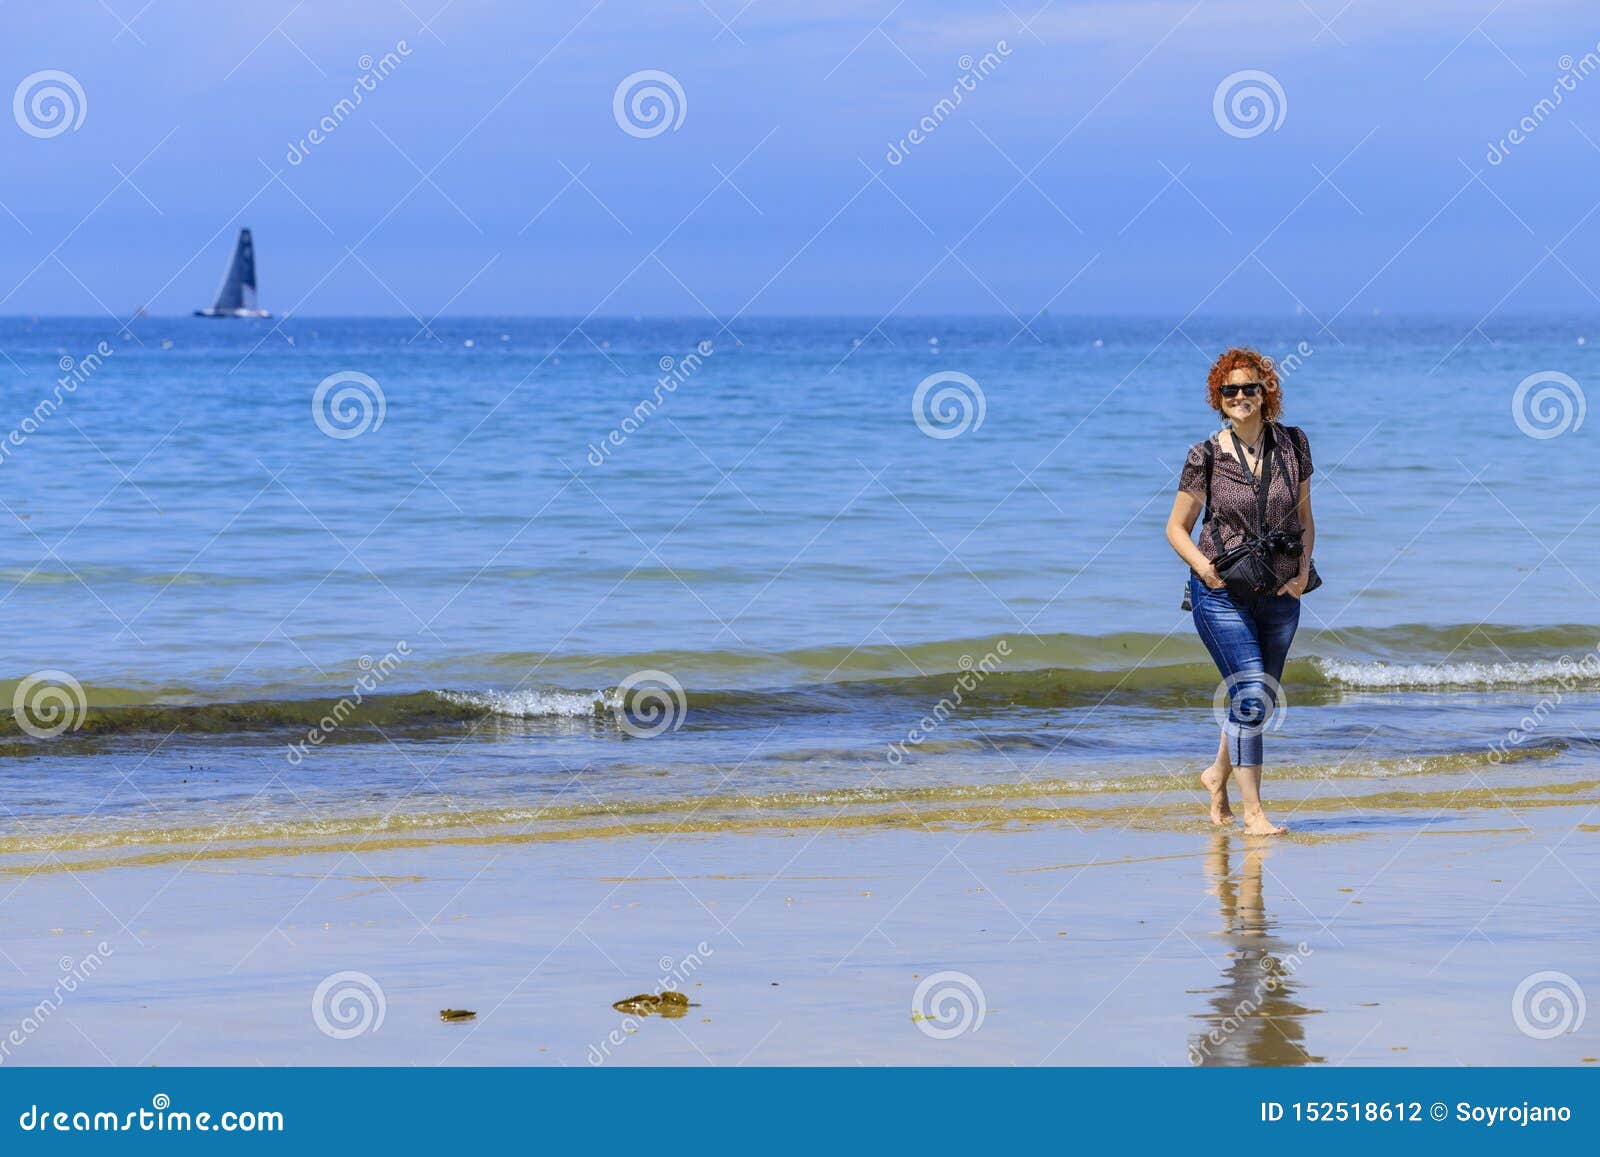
<point x="1254" y="1018"/>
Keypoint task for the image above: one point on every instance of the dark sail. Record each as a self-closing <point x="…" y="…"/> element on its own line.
<point x="237" y="297"/>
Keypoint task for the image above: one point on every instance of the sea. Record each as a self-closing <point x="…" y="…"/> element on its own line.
<point x="290" y="581"/>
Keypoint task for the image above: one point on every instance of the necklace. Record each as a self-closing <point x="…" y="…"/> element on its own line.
<point x="1251" y="453"/>
<point x="1253" y="447"/>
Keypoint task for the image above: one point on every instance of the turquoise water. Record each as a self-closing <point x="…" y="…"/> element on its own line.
<point x="774" y="531"/>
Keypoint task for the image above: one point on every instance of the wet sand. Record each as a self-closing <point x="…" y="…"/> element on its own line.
<point x="1384" y="935"/>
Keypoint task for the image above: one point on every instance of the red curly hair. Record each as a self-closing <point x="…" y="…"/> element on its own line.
<point x="1258" y="364"/>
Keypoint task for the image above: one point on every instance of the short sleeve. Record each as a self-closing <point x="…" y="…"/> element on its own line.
<point x="1193" y="478"/>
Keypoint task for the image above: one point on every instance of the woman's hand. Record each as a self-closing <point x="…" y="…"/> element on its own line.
<point x="1295" y="586"/>
<point x="1208" y="575"/>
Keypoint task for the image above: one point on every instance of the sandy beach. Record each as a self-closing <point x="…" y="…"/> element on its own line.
<point x="1380" y="934"/>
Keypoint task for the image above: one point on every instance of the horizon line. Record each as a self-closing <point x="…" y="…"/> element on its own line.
<point x="278" y="319"/>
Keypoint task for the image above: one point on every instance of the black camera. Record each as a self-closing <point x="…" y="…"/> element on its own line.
<point x="1286" y="544"/>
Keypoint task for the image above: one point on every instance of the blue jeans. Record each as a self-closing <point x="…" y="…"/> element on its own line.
<point x="1249" y="644"/>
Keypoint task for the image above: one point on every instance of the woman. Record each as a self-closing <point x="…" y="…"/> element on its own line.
<point x="1248" y="636"/>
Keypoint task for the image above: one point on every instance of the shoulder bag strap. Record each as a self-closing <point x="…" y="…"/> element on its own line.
<point x="1292" y="484"/>
<point x="1264" y="483"/>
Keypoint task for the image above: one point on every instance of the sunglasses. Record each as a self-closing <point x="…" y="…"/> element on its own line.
<point x="1250" y="390"/>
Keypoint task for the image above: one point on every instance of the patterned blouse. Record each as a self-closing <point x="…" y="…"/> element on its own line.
<point x="1233" y="497"/>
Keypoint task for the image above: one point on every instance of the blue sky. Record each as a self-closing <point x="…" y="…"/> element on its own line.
<point x="1086" y="173"/>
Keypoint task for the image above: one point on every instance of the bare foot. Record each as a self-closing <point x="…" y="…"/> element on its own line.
<point x="1257" y="824"/>
<point x="1215" y="781"/>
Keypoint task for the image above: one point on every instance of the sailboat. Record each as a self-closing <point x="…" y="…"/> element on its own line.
<point x="237" y="297"/>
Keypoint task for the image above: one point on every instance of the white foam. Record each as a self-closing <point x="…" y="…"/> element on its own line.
<point x="529" y="704"/>
<point x="1513" y="673"/>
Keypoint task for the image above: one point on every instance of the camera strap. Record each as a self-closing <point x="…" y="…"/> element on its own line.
<point x="1259" y="485"/>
